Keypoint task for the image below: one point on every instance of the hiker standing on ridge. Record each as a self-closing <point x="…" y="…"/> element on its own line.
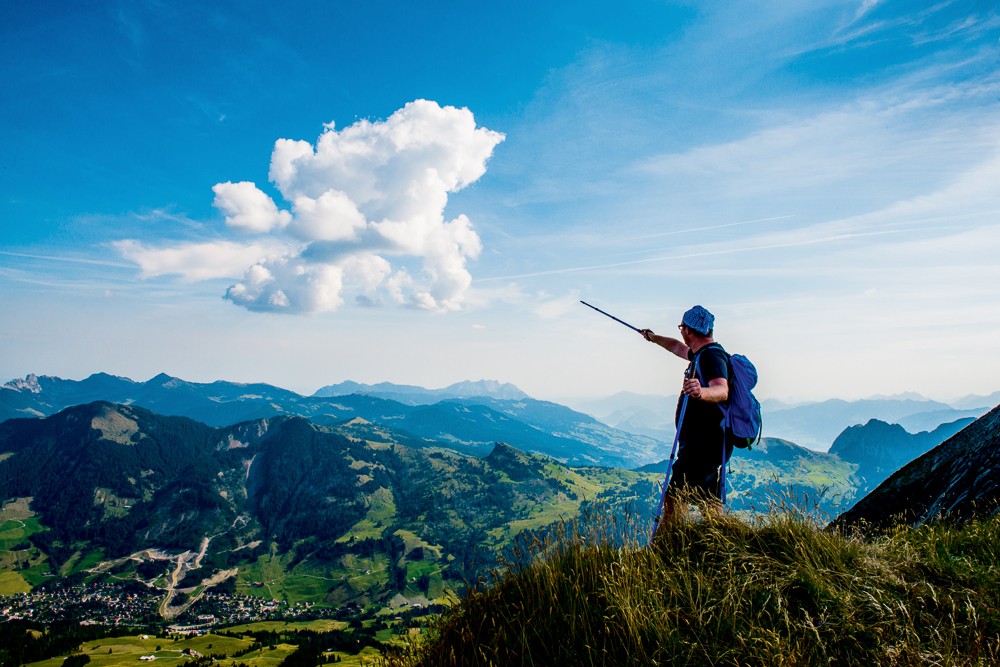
<point x="701" y="447"/>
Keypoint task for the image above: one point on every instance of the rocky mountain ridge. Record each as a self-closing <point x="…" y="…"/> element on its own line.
<point x="879" y="448"/>
<point x="957" y="480"/>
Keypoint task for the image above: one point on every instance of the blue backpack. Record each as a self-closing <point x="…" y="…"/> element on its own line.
<point x="742" y="419"/>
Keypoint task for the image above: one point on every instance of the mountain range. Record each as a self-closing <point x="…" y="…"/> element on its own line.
<point x="470" y="417"/>
<point x="817" y="425"/>
<point x="356" y="497"/>
<point x="814" y="424"/>
<point x="470" y="423"/>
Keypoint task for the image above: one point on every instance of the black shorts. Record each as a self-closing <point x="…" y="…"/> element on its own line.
<point x="702" y="478"/>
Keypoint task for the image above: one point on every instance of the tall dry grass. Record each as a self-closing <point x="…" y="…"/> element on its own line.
<point x="773" y="590"/>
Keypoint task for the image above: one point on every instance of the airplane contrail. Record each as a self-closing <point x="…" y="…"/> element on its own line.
<point x="711" y="253"/>
<point x="70" y="260"/>
<point x="701" y="229"/>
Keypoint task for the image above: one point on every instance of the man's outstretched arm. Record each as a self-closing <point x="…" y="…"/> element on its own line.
<point x="669" y="344"/>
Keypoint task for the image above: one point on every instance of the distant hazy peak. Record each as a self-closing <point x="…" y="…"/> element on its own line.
<point x="492" y="388"/>
<point x="37" y="384"/>
<point x="903" y="396"/>
<point x="161" y="379"/>
<point x="465" y="389"/>
<point x="29" y="384"/>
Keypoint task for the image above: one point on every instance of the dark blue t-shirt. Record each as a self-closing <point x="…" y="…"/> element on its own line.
<point x="701" y="437"/>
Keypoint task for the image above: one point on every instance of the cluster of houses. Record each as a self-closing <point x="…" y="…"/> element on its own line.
<point x="226" y="608"/>
<point x="115" y="604"/>
<point x="88" y="604"/>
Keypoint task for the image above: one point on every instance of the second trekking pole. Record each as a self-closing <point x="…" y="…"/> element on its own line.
<point x="670" y="462"/>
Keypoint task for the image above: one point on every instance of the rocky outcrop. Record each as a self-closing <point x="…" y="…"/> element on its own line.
<point x="957" y="480"/>
<point x="880" y="449"/>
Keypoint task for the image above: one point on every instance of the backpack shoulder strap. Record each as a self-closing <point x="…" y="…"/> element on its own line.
<point x="717" y="346"/>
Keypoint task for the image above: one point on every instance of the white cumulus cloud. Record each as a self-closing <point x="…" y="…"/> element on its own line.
<point x="330" y="217"/>
<point x="364" y="217"/>
<point x="369" y="201"/>
<point x="248" y="209"/>
<point x="196" y="261"/>
<point x="289" y="284"/>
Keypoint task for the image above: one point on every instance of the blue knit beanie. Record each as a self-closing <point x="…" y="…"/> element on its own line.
<point x="699" y="320"/>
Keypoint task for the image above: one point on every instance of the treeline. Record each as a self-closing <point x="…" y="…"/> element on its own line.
<point x="204" y="661"/>
<point x="302" y="484"/>
<point x="452" y="501"/>
<point x="61" y="461"/>
<point x="311" y="645"/>
<point x="22" y="642"/>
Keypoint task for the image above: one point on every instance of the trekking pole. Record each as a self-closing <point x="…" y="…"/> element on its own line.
<point x="611" y="316"/>
<point x="722" y="470"/>
<point x="670" y="463"/>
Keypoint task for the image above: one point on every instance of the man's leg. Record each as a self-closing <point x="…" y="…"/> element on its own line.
<point x="686" y="489"/>
<point x="672" y="513"/>
<point x="710" y="495"/>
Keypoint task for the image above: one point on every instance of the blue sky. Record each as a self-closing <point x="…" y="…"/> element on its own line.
<point x="421" y="193"/>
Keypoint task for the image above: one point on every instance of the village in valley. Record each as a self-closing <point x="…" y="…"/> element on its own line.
<point x="137" y="606"/>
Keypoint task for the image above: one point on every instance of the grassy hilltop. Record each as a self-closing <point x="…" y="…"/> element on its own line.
<point x="777" y="590"/>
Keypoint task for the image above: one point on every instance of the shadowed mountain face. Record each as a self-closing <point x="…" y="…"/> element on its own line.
<point x="125" y="478"/>
<point x="959" y="479"/>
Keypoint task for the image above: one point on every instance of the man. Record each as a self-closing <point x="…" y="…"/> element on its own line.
<point x="701" y="449"/>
